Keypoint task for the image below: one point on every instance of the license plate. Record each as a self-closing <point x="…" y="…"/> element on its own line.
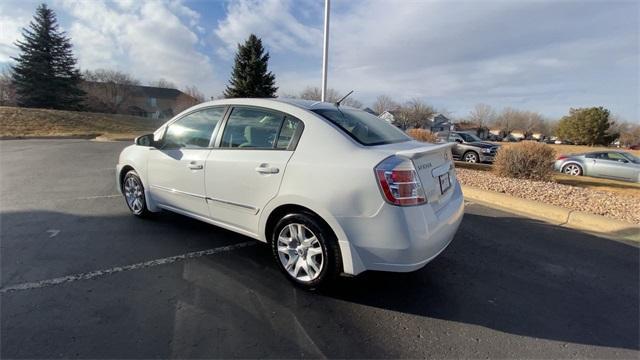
<point x="445" y="182"/>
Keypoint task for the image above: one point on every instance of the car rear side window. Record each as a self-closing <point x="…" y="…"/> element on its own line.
<point x="194" y="130"/>
<point x="289" y="133"/>
<point x="363" y="127"/>
<point x="252" y="128"/>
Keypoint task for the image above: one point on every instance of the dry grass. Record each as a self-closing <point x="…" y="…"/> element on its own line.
<point x="612" y="186"/>
<point x="22" y="122"/>
<point x="574" y="149"/>
<point x="422" y="135"/>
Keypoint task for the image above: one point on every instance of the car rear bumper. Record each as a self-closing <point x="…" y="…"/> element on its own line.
<point x="557" y="165"/>
<point x="403" y="239"/>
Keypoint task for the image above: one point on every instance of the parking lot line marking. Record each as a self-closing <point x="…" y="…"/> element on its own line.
<point x="118" y="269"/>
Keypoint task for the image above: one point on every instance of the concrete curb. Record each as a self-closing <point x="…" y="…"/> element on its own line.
<point x="554" y="214"/>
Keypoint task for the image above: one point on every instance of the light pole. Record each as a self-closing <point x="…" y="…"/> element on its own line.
<point x="325" y="50"/>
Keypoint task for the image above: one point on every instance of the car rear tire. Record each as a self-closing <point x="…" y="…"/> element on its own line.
<point x="471" y="157"/>
<point x="572" y="169"/>
<point x="306" y="251"/>
<point x="133" y="192"/>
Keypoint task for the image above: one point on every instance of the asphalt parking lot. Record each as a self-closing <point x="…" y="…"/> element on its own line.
<point x="81" y="278"/>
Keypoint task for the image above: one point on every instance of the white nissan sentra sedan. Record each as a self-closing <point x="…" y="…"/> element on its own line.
<point x="333" y="189"/>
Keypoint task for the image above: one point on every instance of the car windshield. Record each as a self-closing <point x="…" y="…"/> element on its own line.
<point x="469" y="137"/>
<point x="634" y="159"/>
<point x="365" y="128"/>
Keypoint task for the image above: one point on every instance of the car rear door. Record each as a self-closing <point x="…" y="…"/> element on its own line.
<point x="176" y="170"/>
<point x="245" y="169"/>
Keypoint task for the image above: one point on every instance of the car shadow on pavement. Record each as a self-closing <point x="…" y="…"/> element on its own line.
<point x="519" y="276"/>
<point x="509" y="274"/>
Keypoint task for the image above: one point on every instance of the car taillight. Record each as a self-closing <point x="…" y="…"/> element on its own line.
<point x="561" y="157"/>
<point x="399" y="182"/>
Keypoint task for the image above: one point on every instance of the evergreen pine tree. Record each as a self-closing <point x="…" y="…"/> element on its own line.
<point x="44" y="74"/>
<point x="250" y="77"/>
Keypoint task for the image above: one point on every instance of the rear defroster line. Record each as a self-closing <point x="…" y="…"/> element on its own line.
<point x="118" y="269"/>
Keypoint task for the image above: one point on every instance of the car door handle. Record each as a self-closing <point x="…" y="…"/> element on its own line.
<point x="193" y="166"/>
<point x="267" y="170"/>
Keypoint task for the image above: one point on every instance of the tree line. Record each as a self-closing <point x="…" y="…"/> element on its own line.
<point x="584" y="126"/>
<point x="45" y="75"/>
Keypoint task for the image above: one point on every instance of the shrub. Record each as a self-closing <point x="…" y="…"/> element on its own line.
<point x="525" y="160"/>
<point x="422" y="135"/>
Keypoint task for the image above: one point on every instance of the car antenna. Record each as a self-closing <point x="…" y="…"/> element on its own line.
<point x="344" y="97"/>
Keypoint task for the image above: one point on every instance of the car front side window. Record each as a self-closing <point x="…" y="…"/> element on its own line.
<point x="252" y="128"/>
<point x="194" y="130"/>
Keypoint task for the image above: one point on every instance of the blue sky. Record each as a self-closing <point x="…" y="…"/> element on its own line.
<point x="544" y="56"/>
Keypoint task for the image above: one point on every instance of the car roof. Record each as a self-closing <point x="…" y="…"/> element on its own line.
<point x="300" y="103"/>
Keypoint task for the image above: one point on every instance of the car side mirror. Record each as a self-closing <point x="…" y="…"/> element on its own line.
<point x="623" y="161"/>
<point x="146" y="140"/>
<point x="458" y="141"/>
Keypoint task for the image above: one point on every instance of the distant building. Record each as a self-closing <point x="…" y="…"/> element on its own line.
<point x="389" y="116"/>
<point x="537" y="136"/>
<point x="159" y="103"/>
<point x="518" y="134"/>
<point x="437" y="123"/>
<point x="146" y="101"/>
<point x="470" y="127"/>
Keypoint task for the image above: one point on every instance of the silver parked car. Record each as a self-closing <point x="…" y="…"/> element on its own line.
<point x="617" y="165"/>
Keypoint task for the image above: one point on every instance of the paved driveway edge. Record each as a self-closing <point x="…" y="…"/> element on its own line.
<point x="554" y="214"/>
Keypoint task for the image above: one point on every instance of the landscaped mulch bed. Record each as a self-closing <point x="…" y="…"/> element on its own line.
<point x="623" y="208"/>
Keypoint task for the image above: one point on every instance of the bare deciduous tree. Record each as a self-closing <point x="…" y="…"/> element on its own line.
<point x="482" y="115"/>
<point x="415" y="113"/>
<point x="529" y="122"/>
<point x="629" y="133"/>
<point x="7" y="89"/>
<point x="163" y="83"/>
<point x="314" y="93"/>
<point x="384" y="103"/>
<point x="108" y="90"/>
<point x="194" y="93"/>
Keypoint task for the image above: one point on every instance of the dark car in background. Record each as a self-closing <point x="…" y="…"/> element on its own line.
<point x="470" y="148"/>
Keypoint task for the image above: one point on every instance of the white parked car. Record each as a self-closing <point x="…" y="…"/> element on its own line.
<point x="334" y="190"/>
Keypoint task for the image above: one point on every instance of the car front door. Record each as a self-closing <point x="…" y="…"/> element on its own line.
<point x="245" y="170"/>
<point x="176" y="170"/>
<point x="457" y="150"/>
<point x="615" y="166"/>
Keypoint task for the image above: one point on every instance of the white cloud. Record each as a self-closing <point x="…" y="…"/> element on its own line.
<point x="272" y="21"/>
<point x="150" y="40"/>
<point x="11" y="24"/>
<point x="463" y="52"/>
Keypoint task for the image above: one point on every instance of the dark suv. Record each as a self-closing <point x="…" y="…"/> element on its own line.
<point x="471" y="148"/>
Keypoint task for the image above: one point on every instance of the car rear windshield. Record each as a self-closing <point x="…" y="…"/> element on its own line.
<point x="365" y="128"/>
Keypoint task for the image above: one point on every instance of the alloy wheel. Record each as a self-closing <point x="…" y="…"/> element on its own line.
<point x="471" y="158"/>
<point x="134" y="194"/>
<point x="572" y="169"/>
<point x="300" y="252"/>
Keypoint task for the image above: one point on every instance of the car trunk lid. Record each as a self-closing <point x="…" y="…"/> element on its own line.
<point x="434" y="165"/>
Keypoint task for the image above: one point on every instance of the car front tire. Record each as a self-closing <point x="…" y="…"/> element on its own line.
<point x="471" y="157"/>
<point x="133" y="192"/>
<point x="306" y="251"/>
<point x="572" y="169"/>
